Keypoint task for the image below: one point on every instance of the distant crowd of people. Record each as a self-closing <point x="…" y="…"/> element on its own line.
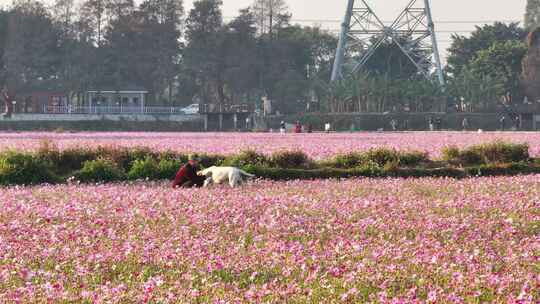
<point x="299" y="128"/>
<point x="506" y="122"/>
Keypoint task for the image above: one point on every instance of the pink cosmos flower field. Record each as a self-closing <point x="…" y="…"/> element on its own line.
<point x="317" y="145"/>
<point x="349" y="241"/>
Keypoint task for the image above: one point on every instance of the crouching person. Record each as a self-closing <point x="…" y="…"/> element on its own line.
<point x="187" y="176"/>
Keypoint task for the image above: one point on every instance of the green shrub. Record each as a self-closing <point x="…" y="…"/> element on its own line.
<point x="48" y="152"/>
<point x="348" y="160"/>
<point x="245" y="158"/>
<point x="100" y="170"/>
<point x="501" y="152"/>
<point x="450" y="153"/>
<point x="72" y="159"/>
<point x="210" y="160"/>
<point x="290" y="159"/>
<point x="381" y="156"/>
<point x="490" y="153"/>
<point x="167" y="168"/>
<point x="412" y="158"/>
<point x="124" y="157"/>
<point x="24" y="169"/>
<point x="508" y="169"/>
<point x="171" y="155"/>
<point x="143" y="169"/>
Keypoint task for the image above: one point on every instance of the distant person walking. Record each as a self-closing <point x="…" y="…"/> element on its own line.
<point x="327" y="127"/>
<point x="438" y="122"/>
<point x="7" y="102"/>
<point x="465" y="124"/>
<point x="282" y="127"/>
<point x="394" y="124"/>
<point x="309" y="128"/>
<point x="502" y="122"/>
<point x="431" y="124"/>
<point x="517" y="122"/>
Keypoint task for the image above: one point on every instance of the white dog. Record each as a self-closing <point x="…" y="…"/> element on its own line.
<point x="220" y="175"/>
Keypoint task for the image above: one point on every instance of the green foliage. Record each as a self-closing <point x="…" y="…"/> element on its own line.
<point x="390" y="60"/>
<point x="503" y="61"/>
<point x="143" y="169"/>
<point x="382" y="93"/>
<point x="100" y="170"/>
<point x="532" y="14"/>
<point x="465" y="49"/>
<point x="531" y="66"/>
<point x="91" y="165"/>
<point x="290" y="159"/>
<point x="72" y="159"/>
<point x="124" y="157"/>
<point x="167" y="168"/>
<point x="348" y="160"/>
<point x="413" y="158"/>
<point x="478" y="90"/>
<point x="211" y="160"/>
<point x="490" y="153"/>
<point x="247" y="157"/>
<point x="380" y="157"/>
<point x="17" y="168"/>
<point x="450" y="153"/>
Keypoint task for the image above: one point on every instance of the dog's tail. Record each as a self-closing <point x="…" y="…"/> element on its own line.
<point x="246" y="174"/>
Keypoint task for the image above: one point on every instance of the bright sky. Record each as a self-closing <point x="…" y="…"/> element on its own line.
<point x="327" y="13"/>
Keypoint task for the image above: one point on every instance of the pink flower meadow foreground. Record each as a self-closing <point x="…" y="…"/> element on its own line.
<point x="317" y="146"/>
<point x="368" y="240"/>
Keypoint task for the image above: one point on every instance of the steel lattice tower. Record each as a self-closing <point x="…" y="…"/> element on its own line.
<point x="362" y="32"/>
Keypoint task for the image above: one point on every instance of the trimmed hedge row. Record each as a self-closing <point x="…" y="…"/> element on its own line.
<point x="326" y="173"/>
<point x="106" y="164"/>
<point x="491" y="153"/>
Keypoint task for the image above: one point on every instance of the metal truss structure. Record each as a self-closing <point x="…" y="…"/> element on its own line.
<point x="413" y="31"/>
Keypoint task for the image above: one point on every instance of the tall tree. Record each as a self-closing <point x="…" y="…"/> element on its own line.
<point x="475" y="91"/>
<point x="204" y="33"/>
<point x="389" y="59"/>
<point x="240" y="53"/>
<point x="3" y="40"/>
<point x="93" y="12"/>
<point x="268" y="14"/>
<point x="162" y="24"/>
<point x="531" y="67"/>
<point x="465" y="49"/>
<point x="532" y="14"/>
<point x="31" y="51"/>
<point x="503" y="61"/>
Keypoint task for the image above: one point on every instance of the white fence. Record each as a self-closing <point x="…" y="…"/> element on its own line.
<point x="111" y="110"/>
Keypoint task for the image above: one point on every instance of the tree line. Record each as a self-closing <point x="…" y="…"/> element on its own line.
<point x="185" y="57"/>
<point x="178" y="57"/>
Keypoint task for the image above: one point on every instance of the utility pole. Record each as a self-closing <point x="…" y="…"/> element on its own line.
<point x="362" y="32"/>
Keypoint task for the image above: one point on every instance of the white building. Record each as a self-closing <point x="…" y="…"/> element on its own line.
<point x="127" y="99"/>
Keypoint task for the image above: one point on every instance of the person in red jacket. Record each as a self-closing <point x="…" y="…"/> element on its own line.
<point x="298" y="127"/>
<point x="187" y="176"/>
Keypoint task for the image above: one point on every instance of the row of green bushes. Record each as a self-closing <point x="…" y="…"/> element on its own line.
<point x="491" y="153"/>
<point x="22" y="169"/>
<point x="105" y="164"/>
<point x="451" y="172"/>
